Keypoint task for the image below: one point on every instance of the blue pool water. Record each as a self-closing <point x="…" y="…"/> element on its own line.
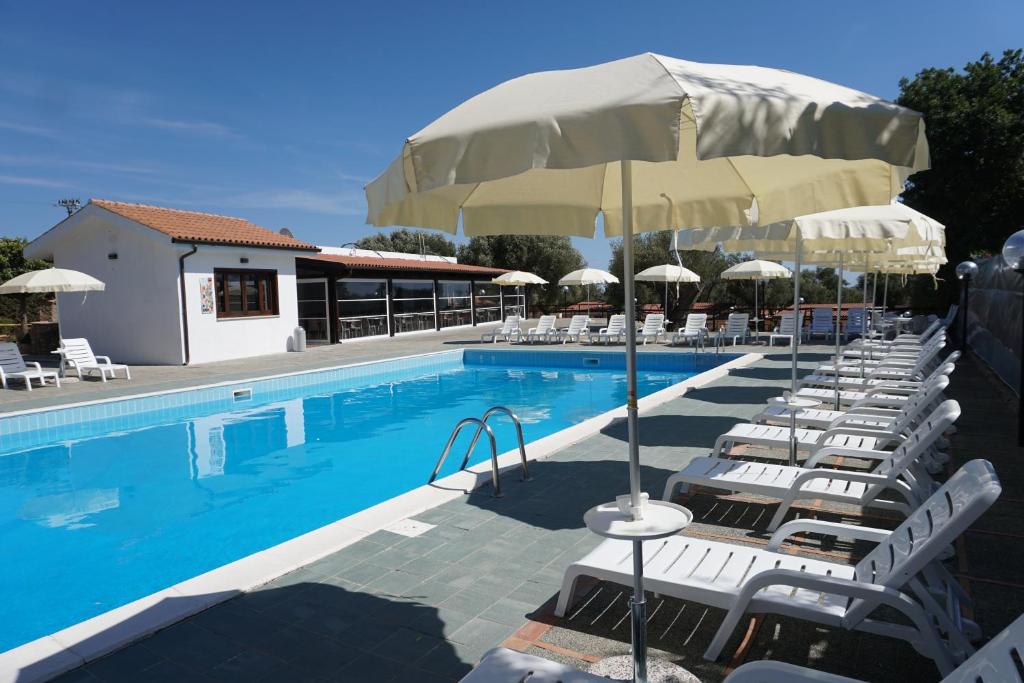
<point x="96" y="514"/>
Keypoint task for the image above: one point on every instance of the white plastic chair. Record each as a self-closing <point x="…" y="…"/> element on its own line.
<point x="509" y="330"/>
<point x="78" y="355"/>
<point x="737" y="328"/>
<point x="903" y="471"/>
<point x="695" y="330"/>
<point x="787" y="328"/>
<point x="996" y="662"/>
<point x="901" y="573"/>
<point x="854" y="323"/>
<point x="578" y="326"/>
<point x="653" y="329"/>
<point x="541" y="333"/>
<point x="13" y="366"/>
<point x="616" y="331"/>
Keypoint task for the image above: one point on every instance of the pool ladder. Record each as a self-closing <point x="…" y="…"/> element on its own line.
<point x="482" y="427"/>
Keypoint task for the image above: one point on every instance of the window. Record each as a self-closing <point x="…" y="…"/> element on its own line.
<point x="245" y="293"/>
<point x="312" y="296"/>
<point x="414" y="305"/>
<point x="362" y="308"/>
<point x="515" y="301"/>
<point x="453" y="305"/>
<point x="487" y="301"/>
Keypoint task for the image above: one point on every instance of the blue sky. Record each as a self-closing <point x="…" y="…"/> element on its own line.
<point x="280" y="112"/>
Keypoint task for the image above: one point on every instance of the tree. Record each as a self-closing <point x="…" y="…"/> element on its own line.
<point x="409" y="242"/>
<point x="975" y="122"/>
<point x="549" y="257"/>
<point x="12" y="264"/>
<point x="654" y="249"/>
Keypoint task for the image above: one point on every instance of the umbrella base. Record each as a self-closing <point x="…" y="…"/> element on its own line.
<point x="620" y="668"/>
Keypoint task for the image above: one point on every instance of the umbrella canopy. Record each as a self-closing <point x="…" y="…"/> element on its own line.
<point x="540" y="153"/>
<point x="667" y="273"/>
<point x="51" y="280"/>
<point x="518" y="278"/>
<point x="648" y="143"/>
<point x="756" y="269"/>
<point x="588" y="276"/>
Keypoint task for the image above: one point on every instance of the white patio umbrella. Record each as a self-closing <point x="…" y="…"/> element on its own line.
<point x="518" y="278"/>
<point x="757" y="269"/>
<point x="704" y="144"/>
<point x="587" y="277"/>
<point x="50" y="280"/>
<point x="667" y="273"/>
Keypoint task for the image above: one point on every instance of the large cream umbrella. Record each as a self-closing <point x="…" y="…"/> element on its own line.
<point x="48" y="280"/>
<point x="703" y="144"/>
<point x="756" y="270"/>
<point x="585" y="277"/>
<point x="667" y="273"/>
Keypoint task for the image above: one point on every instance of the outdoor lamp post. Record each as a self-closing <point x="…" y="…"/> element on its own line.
<point x="964" y="272"/>
<point x="565" y="297"/>
<point x="1013" y="256"/>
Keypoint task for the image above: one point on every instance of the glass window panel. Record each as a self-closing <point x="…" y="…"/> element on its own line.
<point x="252" y="294"/>
<point x="486" y="289"/>
<point x="311" y="291"/>
<point x="348" y="309"/>
<point x="362" y="289"/>
<point x="316" y="329"/>
<point x="313" y="309"/>
<point x="220" y="292"/>
<point x="414" y="306"/>
<point x="453" y="289"/>
<point x="354" y="328"/>
<point x="413" y="289"/>
<point x="234" y="292"/>
<point x="267" y="292"/>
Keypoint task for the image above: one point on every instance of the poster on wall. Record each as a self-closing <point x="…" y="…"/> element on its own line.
<point x="206" y="294"/>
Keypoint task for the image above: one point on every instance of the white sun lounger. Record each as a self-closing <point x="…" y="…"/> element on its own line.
<point x="509" y="330"/>
<point x="901" y="572"/>
<point x="897" y="358"/>
<point x="996" y="662"/>
<point x="869" y="409"/>
<point x="13" y="366"/>
<point x="578" y="326"/>
<point x="867" y="382"/>
<point x="653" y="329"/>
<point x="787" y="328"/>
<point x="695" y="330"/>
<point x="78" y="355"/>
<point x="892" y="390"/>
<point x="616" y="331"/>
<point x="541" y="333"/>
<point x="502" y="665"/>
<point x="902" y="470"/>
<point x="737" y="327"/>
<point x="903" y="340"/>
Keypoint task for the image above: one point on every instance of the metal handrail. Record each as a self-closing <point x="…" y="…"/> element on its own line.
<point x="519" y="436"/>
<point x="495" y="482"/>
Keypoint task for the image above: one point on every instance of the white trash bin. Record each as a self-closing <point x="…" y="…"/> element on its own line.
<point x="299" y="339"/>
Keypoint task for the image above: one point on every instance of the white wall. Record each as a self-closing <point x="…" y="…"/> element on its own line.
<point x="135" y="319"/>
<point x="212" y="338"/>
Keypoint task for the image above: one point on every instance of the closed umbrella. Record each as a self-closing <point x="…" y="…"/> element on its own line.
<point x="667" y="273"/>
<point x="586" y="277"/>
<point x="757" y="269"/>
<point x="648" y="143"/>
<point x="49" y="280"/>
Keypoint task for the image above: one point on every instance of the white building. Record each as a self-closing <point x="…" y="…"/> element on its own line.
<point x="181" y="286"/>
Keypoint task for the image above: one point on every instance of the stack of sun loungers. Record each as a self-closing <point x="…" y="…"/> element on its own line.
<point x="892" y="420"/>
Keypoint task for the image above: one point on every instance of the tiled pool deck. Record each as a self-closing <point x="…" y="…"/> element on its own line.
<point x="425" y="608"/>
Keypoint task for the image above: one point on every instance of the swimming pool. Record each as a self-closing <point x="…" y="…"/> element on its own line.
<point x="104" y="504"/>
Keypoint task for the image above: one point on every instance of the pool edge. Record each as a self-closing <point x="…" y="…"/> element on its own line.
<point x="71" y="647"/>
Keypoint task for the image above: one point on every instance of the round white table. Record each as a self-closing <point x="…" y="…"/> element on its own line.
<point x="659" y="519"/>
<point x="793" y="404"/>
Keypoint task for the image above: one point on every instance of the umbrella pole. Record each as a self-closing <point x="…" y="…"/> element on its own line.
<point x="757" y="325"/>
<point x="864" y="319"/>
<point x="797" y="329"/>
<point x="638" y="605"/>
<point x="839" y="313"/>
<point x="885" y="295"/>
<point x="666" y="299"/>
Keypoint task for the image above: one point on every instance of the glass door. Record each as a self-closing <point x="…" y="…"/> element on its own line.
<point x="312" y="296"/>
<point x="362" y="308"/>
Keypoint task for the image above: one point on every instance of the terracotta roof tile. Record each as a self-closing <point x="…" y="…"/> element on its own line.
<point x="378" y="263"/>
<point x="205" y="228"/>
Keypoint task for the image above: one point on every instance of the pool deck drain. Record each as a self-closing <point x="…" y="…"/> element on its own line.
<point x="392" y="607"/>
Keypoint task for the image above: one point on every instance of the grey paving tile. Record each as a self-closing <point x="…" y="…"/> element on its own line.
<point x="441" y="623"/>
<point x="395" y="582"/>
<point x="125" y="664"/>
<point x="307" y="652"/>
<point x="171" y="672"/>
<point x="251" y="665"/>
<point x="482" y="633"/>
<point x="80" y="675"/>
<point x="406" y="645"/>
<point x="197" y="649"/>
<point x="431" y="592"/>
<point x="371" y="667"/>
<point x="509" y="611"/>
<point x="363" y="573"/>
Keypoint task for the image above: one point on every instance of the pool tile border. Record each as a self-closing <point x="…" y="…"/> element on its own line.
<point x="76" y="645"/>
